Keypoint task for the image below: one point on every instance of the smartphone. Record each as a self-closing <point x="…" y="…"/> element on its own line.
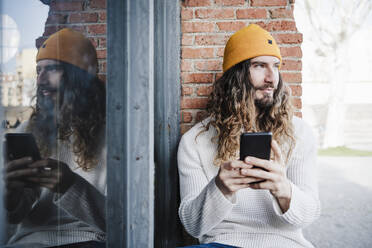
<point x="255" y="145"/>
<point x="20" y="145"/>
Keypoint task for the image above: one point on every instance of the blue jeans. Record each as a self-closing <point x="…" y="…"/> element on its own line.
<point x="210" y="245"/>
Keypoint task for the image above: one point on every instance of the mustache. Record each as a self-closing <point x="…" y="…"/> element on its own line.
<point x="265" y="86"/>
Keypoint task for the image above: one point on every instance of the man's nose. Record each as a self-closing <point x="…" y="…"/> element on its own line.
<point x="269" y="75"/>
<point x="41" y="78"/>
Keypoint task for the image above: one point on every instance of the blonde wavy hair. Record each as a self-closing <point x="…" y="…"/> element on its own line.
<point x="232" y="109"/>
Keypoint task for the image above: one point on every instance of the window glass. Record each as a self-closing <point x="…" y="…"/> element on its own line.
<point x="53" y="94"/>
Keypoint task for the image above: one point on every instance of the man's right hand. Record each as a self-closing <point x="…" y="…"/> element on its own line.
<point x="14" y="175"/>
<point x="229" y="178"/>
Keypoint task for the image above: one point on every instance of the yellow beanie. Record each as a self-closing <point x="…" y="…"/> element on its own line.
<point x="247" y="43"/>
<point x="70" y="46"/>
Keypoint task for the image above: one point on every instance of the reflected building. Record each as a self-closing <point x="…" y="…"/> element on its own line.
<point x="19" y="88"/>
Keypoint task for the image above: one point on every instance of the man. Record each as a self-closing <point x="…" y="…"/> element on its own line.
<point x="252" y="203"/>
<point x="61" y="198"/>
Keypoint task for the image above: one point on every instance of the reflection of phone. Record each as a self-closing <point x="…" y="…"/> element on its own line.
<point x="255" y="145"/>
<point x="20" y="145"/>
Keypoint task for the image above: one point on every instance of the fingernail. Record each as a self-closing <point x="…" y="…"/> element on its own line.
<point x="247" y="160"/>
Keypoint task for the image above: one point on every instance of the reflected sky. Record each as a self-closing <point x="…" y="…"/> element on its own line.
<point x="30" y="17"/>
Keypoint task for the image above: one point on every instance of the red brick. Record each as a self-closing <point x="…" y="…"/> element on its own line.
<point x="197" y="53"/>
<point x="201" y="115"/>
<point x="102" y="16"/>
<point x="83" y="17"/>
<point x="66" y="5"/>
<point x="186" y="91"/>
<point x="204" y="90"/>
<point x="187" y="40"/>
<point x="218" y="75"/>
<point x="101" y="54"/>
<point x="186" y="14"/>
<point x="296" y="102"/>
<point x="186" y="117"/>
<point x="196" y="77"/>
<point x="97" y="4"/>
<point x="196" y="3"/>
<point x="39" y="41"/>
<point x="185" y="128"/>
<point x="214" y="13"/>
<point x="194" y="103"/>
<point x="102" y="77"/>
<point x="281" y="13"/>
<point x="186" y="65"/>
<point x="217" y="39"/>
<point x="209" y="65"/>
<point x="102" y="66"/>
<point x="298" y="114"/>
<point x="96" y="29"/>
<point x="220" y="51"/>
<point x="296" y="90"/>
<point x="229" y="2"/>
<point x="291" y="52"/>
<point x="255" y="3"/>
<point x="102" y="42"/>
<point x="292" y="77"/>
<point x="50" y="30"/>
<point x="56" y="19"/>
<point x="94" y="41"/>
<point x="197" y="27"/>
<point x="251" y="13"/>
<point x="230" y="26"/>
<point x="291" y="65"/>
<point x="288" y="38"/>
<point x="278" y="26"/>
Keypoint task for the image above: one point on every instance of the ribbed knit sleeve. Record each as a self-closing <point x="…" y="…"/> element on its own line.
<point x="302" y="172"/>
<point x="84" y="202"/>
<point x="203" y="206"/>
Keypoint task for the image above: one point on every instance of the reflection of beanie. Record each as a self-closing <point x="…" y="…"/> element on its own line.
<point x="70" y="46"/>
<point x="247" y="43"/>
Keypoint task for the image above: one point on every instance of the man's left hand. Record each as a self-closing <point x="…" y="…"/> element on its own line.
<point x="274" y="174"/>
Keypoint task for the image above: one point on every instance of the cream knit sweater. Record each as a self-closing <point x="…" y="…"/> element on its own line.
<point x="50" y="219"/>
<point x="252" y="218"/>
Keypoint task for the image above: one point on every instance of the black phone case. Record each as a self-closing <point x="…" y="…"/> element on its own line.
<point x="20" y="145"/>
<point x="255" y="145"/>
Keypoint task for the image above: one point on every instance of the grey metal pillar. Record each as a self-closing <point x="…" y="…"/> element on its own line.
<point x="167" y="118"/>
<point x="130" y="133"/>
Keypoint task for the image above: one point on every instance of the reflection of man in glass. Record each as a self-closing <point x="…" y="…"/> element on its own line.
<point x="61" y="199"/>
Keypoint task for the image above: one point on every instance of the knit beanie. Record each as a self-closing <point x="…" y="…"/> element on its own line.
<point x="249" y="42"/>
<point x="70" y="46"/>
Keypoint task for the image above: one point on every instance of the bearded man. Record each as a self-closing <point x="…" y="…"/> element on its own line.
<point x="256" y="203"/>
<point x="60" y="199"/>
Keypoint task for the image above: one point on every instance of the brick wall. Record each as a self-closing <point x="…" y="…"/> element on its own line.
<point x="86" y="16"/>
<point x="206" y="27"/>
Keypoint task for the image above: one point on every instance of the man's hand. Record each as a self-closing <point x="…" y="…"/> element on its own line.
<point x="52" y="174"/>
<point x="274" y="174"/>
<point x="14" y="175"/>
<point x="229" y="178"/>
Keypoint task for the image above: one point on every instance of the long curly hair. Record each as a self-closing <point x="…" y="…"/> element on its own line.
<point x="78" y="116"/>
<point x="232" y="110"/>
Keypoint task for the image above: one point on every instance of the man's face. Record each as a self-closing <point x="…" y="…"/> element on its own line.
<point x="264" y="71"/>
<point x="49" y="78"/>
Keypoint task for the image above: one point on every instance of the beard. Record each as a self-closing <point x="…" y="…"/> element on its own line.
<point x="45" y="122"/>
<point x="267" y="100"/>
